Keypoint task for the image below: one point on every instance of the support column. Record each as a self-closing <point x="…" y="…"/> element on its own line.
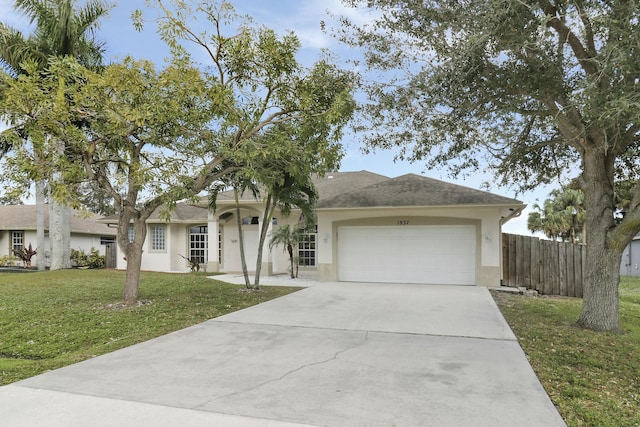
<point x="212" y="244"/>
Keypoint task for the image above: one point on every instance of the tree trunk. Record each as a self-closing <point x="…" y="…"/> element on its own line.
<point x="600" y="307"/>
<point x="40" y="214"/>
<point x="243" y="260"/>
<point x="56" y="213"/>
<point x="132" y="278"/>
<point x="291" y="259"/>
<point x="133" y="253"/>
<point x="55" y="234"/>
<point x="66" y="236"/>
<point x="264" y="227"/>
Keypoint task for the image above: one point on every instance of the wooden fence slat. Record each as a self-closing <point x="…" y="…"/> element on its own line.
<point x="562" y="269"/>
<point x="571" y="276"/>
<point x="579" y="270"/>
<point x="505" y="260"/>
<point x="535" y="264"/>
<point x="526" y="262"/>
<point x="553" y="270"/>
<point x="512" y="260"/>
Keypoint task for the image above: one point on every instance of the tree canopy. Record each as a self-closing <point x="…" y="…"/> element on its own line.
<point x="532" y="90"/>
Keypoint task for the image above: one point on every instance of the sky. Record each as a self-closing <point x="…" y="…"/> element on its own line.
<point x="303" y="17"/>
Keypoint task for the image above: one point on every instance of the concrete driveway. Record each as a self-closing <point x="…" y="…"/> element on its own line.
<point x="333" y="354"/>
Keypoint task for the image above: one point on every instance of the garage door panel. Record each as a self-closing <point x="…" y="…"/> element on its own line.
<point x="425" y="254"/>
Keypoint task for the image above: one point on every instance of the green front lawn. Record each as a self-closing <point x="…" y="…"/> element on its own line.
<point x="52" y="319"/>
<point x="593" y="378"/>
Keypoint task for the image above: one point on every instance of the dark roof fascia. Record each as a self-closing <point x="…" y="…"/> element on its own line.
<point x="475" y="206"/>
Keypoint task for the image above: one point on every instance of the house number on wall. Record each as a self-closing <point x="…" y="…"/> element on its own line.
<point x="403" y="222"/>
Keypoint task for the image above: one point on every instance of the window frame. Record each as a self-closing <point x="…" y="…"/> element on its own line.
<point x="15" y="236"/>
<point x="200" y="244"/>
<point x="157" y="242"/>
<point x="308" y="248"/>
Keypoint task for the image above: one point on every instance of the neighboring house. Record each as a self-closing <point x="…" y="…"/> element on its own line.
<point x="630" y="264"/>
<point x="370" y="228"/>
<point x="18" y="230"/>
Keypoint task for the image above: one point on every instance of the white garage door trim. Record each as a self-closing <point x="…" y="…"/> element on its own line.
<point x="408" y="254"/>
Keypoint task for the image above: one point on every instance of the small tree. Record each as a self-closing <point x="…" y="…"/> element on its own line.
<point x="287" y="193"/>
<point x="143" y="136"/>
<point x="287" y="119"/>
<point x="25" y="255"/>
<point x="288" y="236"/>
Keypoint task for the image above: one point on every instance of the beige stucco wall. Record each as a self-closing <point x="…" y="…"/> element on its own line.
<point x="485" y="219"/>
<point x="169" y="259"/>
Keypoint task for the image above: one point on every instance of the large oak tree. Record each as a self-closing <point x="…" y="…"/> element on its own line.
<point x="534" y="89"/>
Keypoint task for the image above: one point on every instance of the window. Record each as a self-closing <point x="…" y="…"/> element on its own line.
<point x="307" y="248"/>
<point x="131" y="233"/>
<point x="198" y="244"/>
<point x="105" y="240"/>
<point x="250" y="220"/>
<point x="17" y="240"/>
<point x="157" y="237"/>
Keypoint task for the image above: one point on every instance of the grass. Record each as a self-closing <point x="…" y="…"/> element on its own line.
<point x="53" y="319"/>
<point x="592" y="378"/>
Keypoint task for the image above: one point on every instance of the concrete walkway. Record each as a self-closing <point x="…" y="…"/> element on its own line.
<point x="333" y="354"/>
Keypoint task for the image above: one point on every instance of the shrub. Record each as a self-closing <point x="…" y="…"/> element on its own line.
<point x="79" y="258"/>
<point x="96" y="260"/>
<point x="7" y="261"/>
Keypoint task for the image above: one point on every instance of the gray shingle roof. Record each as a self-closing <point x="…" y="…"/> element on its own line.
<point x="361" y="190"/>
<point x="336" y="183"/>
<point x="23" y="217"/>
<point x="184" y="212"/>
<point x="413" y="190"/>
<point x="330" y="185"/>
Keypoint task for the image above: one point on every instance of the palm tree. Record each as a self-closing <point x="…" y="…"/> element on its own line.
<point x="287" y="236"/>
<point x="62" y="29"/>
<point x="288" y="193"/>
<point x="561" y="216"/>
<point x="571" y="202"/>
<point x="239" y="184"/>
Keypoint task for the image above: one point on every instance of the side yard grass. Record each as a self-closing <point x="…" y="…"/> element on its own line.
<point x="52" y="319"/>
<point x="593" y="378"/>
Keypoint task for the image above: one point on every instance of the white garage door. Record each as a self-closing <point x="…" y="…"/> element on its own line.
<point x="408" y="254"/>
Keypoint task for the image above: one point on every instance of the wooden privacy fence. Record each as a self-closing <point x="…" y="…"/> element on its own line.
<point x="551" y="268"/>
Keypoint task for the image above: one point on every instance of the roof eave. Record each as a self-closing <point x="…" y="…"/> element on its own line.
<point x="483" y="205"/>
